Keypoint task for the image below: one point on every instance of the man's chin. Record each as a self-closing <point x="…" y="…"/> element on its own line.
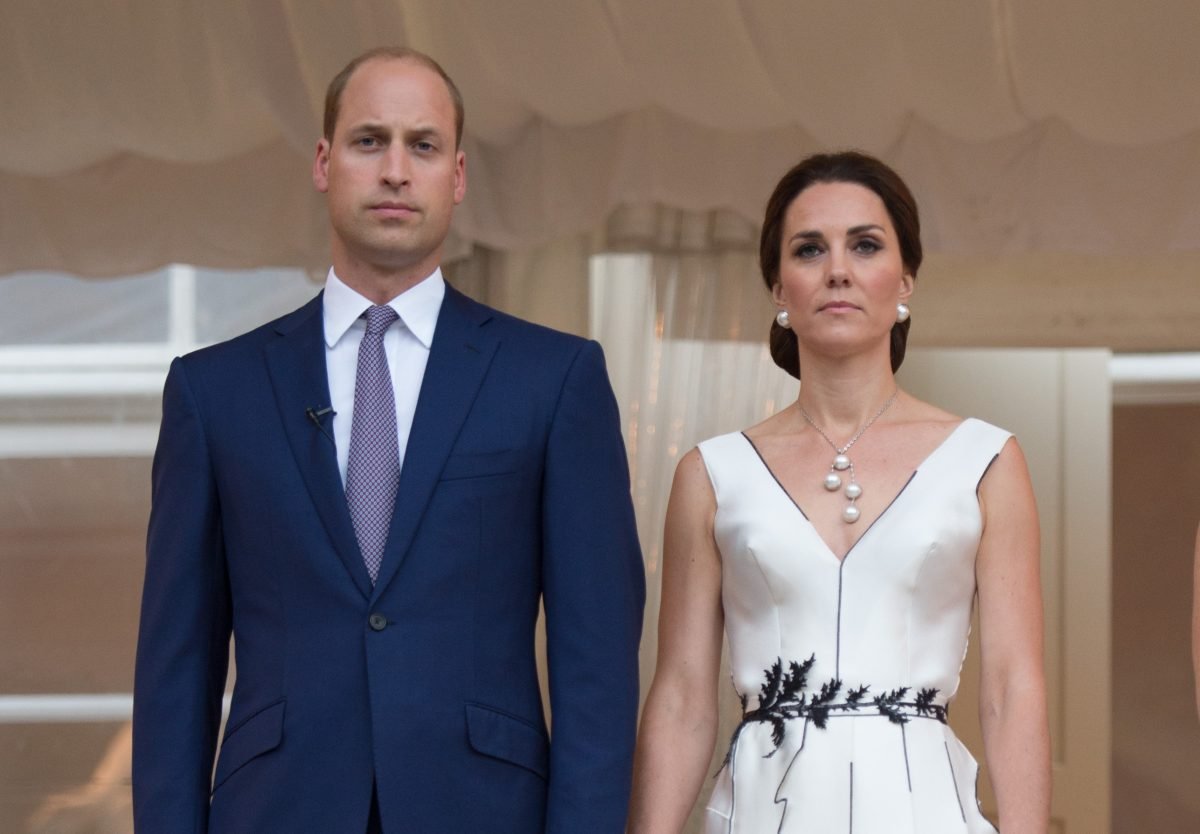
<point x="396" y="256"/>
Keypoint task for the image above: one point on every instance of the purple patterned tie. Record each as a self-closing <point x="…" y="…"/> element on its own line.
<point x="373" y="469"/>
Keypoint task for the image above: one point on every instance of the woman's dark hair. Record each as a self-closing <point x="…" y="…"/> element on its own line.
<point x="844" y="166"/>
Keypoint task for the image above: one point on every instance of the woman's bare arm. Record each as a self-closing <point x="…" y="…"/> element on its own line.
<point x="679" y="722"/>
<point x="1013" y="686"/>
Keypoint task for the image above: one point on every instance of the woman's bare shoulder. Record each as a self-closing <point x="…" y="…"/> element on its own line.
<point x="779" y="424"/>
<point x="920" y="411"/>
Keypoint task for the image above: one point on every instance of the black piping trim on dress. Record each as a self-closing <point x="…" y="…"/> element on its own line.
<point x="775" y="477"/>
<point x="954" y="780"/>
<point x="882" y="513"/>
<point x="837" y="632"/>
<point x="837" y="655"/>
<point x="732" y="785"/>
<point x="851" y="797"/>
<point x="783" y="800"/>
<point x="983" y="474"/>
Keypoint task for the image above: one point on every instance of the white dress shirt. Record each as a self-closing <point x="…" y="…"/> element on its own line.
<point x="406" y="344"/>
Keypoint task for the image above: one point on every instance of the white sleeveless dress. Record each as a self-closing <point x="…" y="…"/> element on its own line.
<point x="846" y="668"/>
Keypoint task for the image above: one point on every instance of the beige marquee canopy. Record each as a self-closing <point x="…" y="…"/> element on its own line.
<point x="1054" y="146"/>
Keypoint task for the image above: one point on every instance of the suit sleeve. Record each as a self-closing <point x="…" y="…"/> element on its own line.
<point x="594" y="592"/>
<point x="183" y="638"/>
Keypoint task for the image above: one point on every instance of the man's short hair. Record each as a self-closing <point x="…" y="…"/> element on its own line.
<point x="333" y="94"/>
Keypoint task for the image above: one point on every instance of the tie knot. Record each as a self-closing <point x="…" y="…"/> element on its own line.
<point x="379" y="318"/>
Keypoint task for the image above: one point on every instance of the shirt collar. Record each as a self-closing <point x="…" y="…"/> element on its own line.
<point x="418" y="307"/>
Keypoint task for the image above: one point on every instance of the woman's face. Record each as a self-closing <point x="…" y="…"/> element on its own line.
<point x="840" y="271"/>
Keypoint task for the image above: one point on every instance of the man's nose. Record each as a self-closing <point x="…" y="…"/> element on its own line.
<point x="395" y="167"/>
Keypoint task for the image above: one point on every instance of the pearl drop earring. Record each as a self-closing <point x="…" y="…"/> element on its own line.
<point x="782" y="319"/>
<point x="902" y="312"/>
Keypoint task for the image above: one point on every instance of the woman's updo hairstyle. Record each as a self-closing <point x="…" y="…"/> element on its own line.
<point x="844" y="166"/>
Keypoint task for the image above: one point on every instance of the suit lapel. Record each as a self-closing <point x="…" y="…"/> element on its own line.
<point x="458" y="361"/>
<point x="296" y="362"/>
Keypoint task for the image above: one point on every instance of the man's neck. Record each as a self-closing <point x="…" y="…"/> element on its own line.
<point x="381" y="284"/>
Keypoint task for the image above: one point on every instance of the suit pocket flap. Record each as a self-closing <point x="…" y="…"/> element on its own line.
<point x="481" y="464"/>
<point x="501" y="736"/>
<point x="260" y="733"/>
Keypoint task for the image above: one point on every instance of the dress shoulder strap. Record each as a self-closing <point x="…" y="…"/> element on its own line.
<point x="969" y="451"/>
<point x="724" y="457"/>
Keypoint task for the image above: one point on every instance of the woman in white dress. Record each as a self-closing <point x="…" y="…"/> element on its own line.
<point x="841" y="544"/>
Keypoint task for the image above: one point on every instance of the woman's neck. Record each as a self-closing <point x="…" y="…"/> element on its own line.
<point x="841" y="396"/>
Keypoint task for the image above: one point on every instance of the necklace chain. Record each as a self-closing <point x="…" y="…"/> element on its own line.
<point x="808" y="419"/>
<point x="842" y="462"/>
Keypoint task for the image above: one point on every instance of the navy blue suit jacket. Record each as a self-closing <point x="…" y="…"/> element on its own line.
<point x="514" y="488"/>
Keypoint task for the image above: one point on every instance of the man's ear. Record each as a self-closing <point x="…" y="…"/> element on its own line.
<point x="460" y="176"/>
<point x="320" y="169"/>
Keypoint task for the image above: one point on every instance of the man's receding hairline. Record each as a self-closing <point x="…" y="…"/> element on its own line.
<point x="414" y="57"/>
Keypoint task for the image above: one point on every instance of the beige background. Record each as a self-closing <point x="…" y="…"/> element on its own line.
<point x="1156" y="506"/>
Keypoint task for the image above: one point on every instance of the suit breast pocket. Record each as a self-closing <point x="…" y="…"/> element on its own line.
<point x="464" y="465"/>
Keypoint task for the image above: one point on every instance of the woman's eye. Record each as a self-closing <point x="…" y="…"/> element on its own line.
<point x="867" y="246"/>
<point x="807" y="250"/>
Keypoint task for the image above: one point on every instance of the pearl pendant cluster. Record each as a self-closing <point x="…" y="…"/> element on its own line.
<point x="842" y="462"/>
<point x="833" y="482"/>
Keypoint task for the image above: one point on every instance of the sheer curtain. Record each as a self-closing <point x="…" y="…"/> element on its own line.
<point x="684" y="330"/>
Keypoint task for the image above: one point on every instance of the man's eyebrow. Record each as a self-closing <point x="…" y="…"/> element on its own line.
<point x="422" y="131"/>
<point x="367" y="127"/>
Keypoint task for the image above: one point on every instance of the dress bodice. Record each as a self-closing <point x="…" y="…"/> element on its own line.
<point x="880" y="634"/>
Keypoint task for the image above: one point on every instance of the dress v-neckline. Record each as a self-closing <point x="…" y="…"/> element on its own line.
<point x="816" y="533"/>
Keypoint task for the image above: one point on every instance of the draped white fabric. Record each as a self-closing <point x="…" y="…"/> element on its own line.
<point x="677" y="384"/>
<point x="140" y="134"/>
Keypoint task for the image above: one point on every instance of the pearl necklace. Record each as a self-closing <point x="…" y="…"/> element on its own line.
<point x="842" y="462"/>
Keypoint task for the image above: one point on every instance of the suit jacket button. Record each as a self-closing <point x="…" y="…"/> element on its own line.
<point x="377" y="622"/>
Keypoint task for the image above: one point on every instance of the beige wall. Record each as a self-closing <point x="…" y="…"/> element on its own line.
<point x="72" y="533"/>
<point x="1156" y="506"/>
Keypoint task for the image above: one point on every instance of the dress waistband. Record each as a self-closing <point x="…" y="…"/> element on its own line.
<point x="783" y="698"/>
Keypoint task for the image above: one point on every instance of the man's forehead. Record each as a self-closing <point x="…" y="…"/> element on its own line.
<point x="387" y="81"/>
<point x="387" y="69"/>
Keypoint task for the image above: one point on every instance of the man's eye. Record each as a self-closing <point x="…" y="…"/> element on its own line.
<point x="425" y="146"/>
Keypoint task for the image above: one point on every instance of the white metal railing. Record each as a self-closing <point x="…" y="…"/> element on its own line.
<point x="70" y="709"/>
<point x="1155" y="378"/>
<point x="52" y="371"/>
<point x="77" y="440"/>
<point x="53" y="709"/>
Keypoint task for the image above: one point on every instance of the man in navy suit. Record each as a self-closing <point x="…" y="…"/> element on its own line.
<point x="386" y="677"/>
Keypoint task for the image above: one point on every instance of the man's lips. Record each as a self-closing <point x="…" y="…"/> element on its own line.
<point x="392" y="208"/>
